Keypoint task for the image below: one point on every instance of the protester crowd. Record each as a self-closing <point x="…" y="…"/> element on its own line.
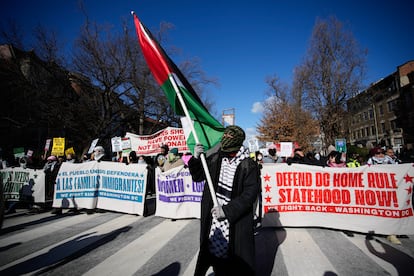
<point x="168" y="159"/>
<point x="334" y="158"/>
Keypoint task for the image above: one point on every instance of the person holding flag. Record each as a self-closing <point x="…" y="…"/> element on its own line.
<point x="227" y="230"/>
<point x="231" y="167"/>
<point x="205" y="129"/>
<point x="179" y="92"/>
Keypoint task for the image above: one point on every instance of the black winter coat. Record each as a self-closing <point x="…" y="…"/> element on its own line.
<point x="239" y="212"/>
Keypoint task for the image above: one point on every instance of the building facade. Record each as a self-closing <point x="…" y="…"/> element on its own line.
<point x="42" y="100"/>
<point x="383" y="114"/>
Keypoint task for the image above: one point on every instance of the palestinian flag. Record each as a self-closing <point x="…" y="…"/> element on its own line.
<point x="165" y="72"/>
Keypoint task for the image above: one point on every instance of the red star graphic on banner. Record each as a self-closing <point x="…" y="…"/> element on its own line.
<point x="408" y="202"/>
<point x="268" y="188"/>
<point x="266" y="178"/>
<point x="410" y="190"/>
<point x="268" y="199"/>
<point x="408" y="178"/>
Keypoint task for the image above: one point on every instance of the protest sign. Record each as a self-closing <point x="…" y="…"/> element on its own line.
<point x="93" y="145"/>
<point x="77" y="185"/>
<point x="367" y="198"/>
<point x="122" y="187"/>
<point x="177" y="195"/>
<point x="58" y="148"/>
<point x="18" y="152"/>
<point x="150" y="144"/>
<point x="105" y="185"/>
<point x="17" y="179"/>
<point x="116" y="143"/>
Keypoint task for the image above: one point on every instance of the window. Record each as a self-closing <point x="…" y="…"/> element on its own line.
<point x="373" y="130"/>
<point x="398" y="141"/>
<point x="381" y="110"/>
<point x="394" y="124"/>
<point x="392" y="105"/>
<point x="383" y="127"/>
<point x="371" y="114"/>
<point x="389" y="105"/>
<point x="367" y="131"/>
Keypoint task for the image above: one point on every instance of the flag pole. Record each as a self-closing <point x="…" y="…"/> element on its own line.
<point x="187" y="115"/>
<point x="202" y="156"/>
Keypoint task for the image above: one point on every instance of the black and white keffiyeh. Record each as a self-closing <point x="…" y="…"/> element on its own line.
<point x="219" y="231"/>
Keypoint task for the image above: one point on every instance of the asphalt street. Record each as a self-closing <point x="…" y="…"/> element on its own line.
<point x="109" y="243"/>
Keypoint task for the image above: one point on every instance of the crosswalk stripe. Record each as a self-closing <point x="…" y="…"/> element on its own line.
<point x="155" y="242"/>
<point x="8" y="222"/>
<point x="359" y="241"/>
<point x="299" y="245"/>
<point x="137" y="253"/>
<point x="44" y="230"/>
<point x="191" y="266"/>
<point x="97" y="231"/>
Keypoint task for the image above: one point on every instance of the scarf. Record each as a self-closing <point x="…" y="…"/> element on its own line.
<point x="219" y="231"/>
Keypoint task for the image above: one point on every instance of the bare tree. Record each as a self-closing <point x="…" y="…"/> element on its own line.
<point x="128" y="93"/>
<point x="283" y="120"/>
<point x="12" y="33"/>
<point x="330" y="74"/>
<point x="47" y="45"/>
<point x="102" y="57"/>
<point x="109" y="89"/>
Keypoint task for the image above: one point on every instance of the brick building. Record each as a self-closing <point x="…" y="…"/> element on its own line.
<point x="383" y="114"/>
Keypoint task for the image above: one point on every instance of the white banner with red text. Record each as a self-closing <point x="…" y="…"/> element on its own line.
<point x="178" y="196"/>
<point x="150" y="144"/>
<point x="105" y="185"/>
<point x="363" y="199"/>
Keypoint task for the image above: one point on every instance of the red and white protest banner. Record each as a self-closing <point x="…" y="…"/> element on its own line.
<point x="363" y="199"/>
<point x="150" y="144"/>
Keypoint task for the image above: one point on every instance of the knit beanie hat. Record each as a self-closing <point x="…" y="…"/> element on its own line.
<point x="174" y="151"/>
<point x="232" y="139"/>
